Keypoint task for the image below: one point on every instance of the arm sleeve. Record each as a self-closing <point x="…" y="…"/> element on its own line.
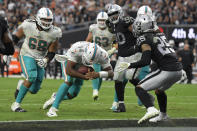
<point x="145" y="60"/>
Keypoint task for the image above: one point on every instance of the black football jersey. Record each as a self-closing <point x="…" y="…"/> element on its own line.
<point x="161" y="52"/>
<point x="124" y="37"/>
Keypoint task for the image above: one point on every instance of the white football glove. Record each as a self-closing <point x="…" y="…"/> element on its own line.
<point x="123" y="66"/>
<point x="111" y="51"/>
<point x="42" y="62"/>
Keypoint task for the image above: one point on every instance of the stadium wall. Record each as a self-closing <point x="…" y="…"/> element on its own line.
<point x="178" y="33"/>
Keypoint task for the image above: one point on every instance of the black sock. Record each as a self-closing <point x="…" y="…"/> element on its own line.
<point x="119" y="91"/>
<point x="162" y="101"/>
<point x="145" y="98"/>
<point x="134" y="81"/>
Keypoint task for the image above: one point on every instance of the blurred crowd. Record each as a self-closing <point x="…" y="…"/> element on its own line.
<point x="70" y="12"/>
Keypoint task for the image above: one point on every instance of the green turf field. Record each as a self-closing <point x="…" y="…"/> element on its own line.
<point x="182" y="102"/>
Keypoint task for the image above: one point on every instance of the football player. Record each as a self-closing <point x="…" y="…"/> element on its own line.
<point x="99" y="34"/>
<point x="39" y="47"/>
<point x="154" y="46"/>
<point x="80" y="53"/>
<point x="121" y="26"/>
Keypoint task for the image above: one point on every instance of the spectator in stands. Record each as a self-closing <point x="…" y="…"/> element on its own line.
<point x="187" y="58"/>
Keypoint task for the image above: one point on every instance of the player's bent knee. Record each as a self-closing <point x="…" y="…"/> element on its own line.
<point x="32" y="79"/>
<point x="70" y="96"/>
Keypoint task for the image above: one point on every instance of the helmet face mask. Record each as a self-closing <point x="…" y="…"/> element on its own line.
<point x="115" y="13"/>
<point x="44" y="18"/>
<point x="101" y="18"/>
<point x="143" y="24"/>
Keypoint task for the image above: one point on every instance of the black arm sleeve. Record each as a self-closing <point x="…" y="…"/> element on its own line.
<point x="134" y="49"/>
<point x="145" y="60"/>
<point x="50" y="55"/>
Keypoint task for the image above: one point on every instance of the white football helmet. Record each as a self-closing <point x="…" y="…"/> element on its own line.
<point x="44" y="18"/>
<point x="142" y="24"/>
<point x="115" y="13"/>
<point x="145" y="10"/>
<point x="101" y="18"/>
<point x="89" y="54"/>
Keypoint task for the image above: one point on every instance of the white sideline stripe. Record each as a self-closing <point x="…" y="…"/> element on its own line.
<point x="74" y="120"/>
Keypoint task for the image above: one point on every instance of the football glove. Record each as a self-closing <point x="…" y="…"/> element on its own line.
<point x="42" y="62"/>
<point x="111" y="51"/>
<point x="123" y="66"/>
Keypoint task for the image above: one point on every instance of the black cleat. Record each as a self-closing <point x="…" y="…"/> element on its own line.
<point x="121" y="108"/>
<point x="19" y="109"/>
<point x="16" y="93"/>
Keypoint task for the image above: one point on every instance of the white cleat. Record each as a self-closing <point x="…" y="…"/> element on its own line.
<point x="52" y="112"/>
<point x="95" y="94"/>
<point x="114" y="105"/>
<point x="151" y="112"/>
<point x="161" y="117"/>
<point x="50" y="101"/>
<point x="15" y="107"/>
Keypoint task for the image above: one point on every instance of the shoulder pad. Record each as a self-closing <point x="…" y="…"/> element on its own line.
<point x="57" y="32"/>
<point x="30" y="20"/>
<point x="92" y="27"/>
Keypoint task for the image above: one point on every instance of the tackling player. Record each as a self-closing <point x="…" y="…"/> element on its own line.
<point x="39" y="47"/>
<point x="99" y="34"/>
<point x="80" y="53"/>
<point x="155" y="46"/>
<point x="121" y="26"/>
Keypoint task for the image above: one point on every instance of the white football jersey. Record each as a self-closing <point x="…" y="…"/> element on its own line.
<point x="77" y="49"/>
<point x="102" y="37"/>
<point x="36" y="42"/>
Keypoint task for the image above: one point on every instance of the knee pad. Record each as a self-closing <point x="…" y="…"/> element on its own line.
<point x="71" y="96"/>
<point x="35" y="87"/>
<point x="31" y="79"/>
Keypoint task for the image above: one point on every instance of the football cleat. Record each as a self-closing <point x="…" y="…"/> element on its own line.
<point x="52" y="112"/>
<point x="50" y="101"/>
<point x="95" y="94"/>
<point x="20" y="82"/>
<point x="114" y="106"/>
<point x="161" y="117"/>
<point x="15" y="107"/>
<point x="121" y="108"/>
<point x="151" y="112"/>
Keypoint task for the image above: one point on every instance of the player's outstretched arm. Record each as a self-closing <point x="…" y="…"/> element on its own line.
<point x="145" y="59"/>
<point x="105" y="73"/>
<point x="50" y="55"/>
<point x="72" y="72"/>
<point x="89" y="37"/>
<point x="18" y="35"/>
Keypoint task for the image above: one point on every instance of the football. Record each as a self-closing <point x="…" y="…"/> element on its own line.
<point x="83" y="69"/>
